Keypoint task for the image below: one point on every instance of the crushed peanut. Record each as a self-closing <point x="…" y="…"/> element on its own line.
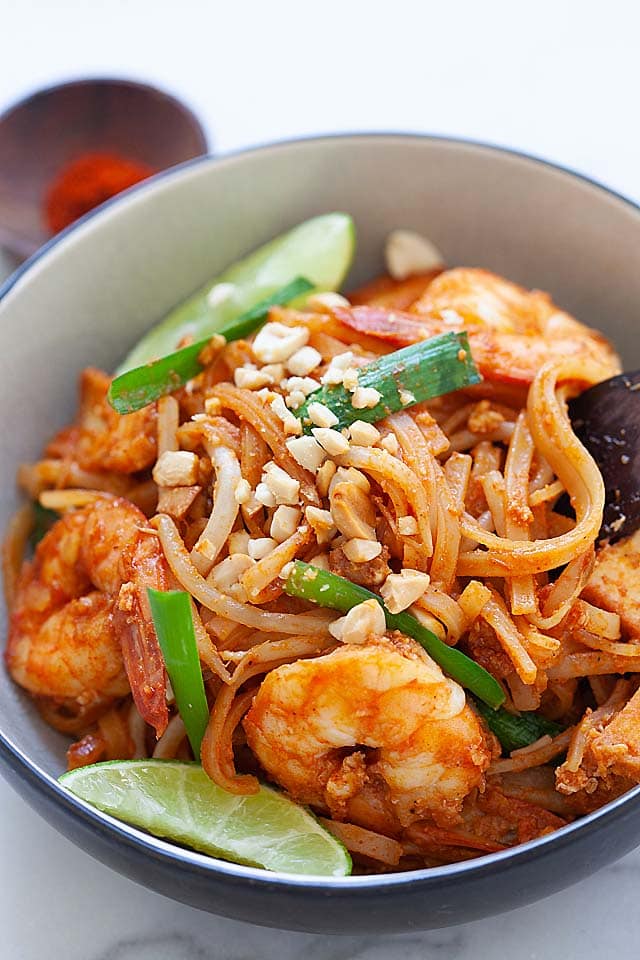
<point x="365" y="398"/>
<point x="361" y="622"/>
<point x="265" y="495"/>
<point x="407" y="526"/>
<point x="361" y="551"/>
<point x="242" y="492"/>
<point x="321" y="522"/>
<point x="331" y="441"/>
<point x="390" y="444"/>
<point x="176" y="468"/>
<point x="275" y="342"/>
<point x="303" y="361"/>
<point x="363" y="434"/>
<point x="327" y="300"/>
<point x="307" y="452"/>
<point x="406" y="397"/>
<point x="335" y="371"/>
<point x="292" y="425"/>
<point x="321" y="415"/>
<point x="401" y="590"/>
<point x="407" y="253"/>
<point x="284" y="522"/>
<point x="324" y="477"/>
<point x="285" y="489"/>
<point x="248" y="377"/>
<point x="261" y="547"/>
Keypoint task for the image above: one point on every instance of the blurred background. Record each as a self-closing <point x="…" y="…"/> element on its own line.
<point x="558" y="79"/>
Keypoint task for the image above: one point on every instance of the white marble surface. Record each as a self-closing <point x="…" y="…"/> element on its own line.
<point x="558" y="79"/>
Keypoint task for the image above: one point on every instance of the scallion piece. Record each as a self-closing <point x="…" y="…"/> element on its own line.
<point x="403" y="378"/>
<point x="171" y="611"/>
<point x="515" y="731"/>
<point x="136" y="388"/>
<point x="329" y="590"/>
<point x="43" y="520"/>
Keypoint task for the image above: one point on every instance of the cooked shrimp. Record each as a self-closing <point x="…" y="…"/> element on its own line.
<point x="512" y="331"/>
<point x="102" y="439"/>
<point x="81" y="625"/>
<point x="376" y="722"/>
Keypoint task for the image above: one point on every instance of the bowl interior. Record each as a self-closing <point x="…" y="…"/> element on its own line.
<point x="92" y="293"/>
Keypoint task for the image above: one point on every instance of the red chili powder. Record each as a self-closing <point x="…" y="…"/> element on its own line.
<point x="87" y="182"/>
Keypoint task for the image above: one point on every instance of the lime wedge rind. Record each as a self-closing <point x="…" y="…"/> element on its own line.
<point x="177" y="802"/>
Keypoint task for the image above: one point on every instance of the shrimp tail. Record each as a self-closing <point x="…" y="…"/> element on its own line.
<point x="143" y="660"/>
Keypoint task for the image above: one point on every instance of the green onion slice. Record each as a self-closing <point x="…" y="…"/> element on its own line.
<point x="515" y="731"/>
<point x="403" y="378"/>
<point x="136" y="388"/>
<point x="171" y="611"/>
<point x="329" y="590"/>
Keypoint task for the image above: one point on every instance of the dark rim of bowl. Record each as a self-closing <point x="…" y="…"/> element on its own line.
<point x="182" y="857"/>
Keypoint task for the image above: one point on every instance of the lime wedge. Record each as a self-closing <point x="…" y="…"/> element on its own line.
<point x="320" y="249"/>
<point x="178" y="801"/>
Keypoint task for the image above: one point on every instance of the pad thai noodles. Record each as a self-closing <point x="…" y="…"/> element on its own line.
<point x="396" y="622"/>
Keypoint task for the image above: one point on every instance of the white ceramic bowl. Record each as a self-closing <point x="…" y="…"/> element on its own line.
<point x="91" y="293"/>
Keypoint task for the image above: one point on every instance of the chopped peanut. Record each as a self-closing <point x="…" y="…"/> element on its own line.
<point x="303" y="361"/>
<point x="363" y="434"/>
<point x="352" y="511"/>
<point x="331" y="441"/>
<point x="361" y="622"/>
<point x="365" y="398"/>
<point x="307" y="452"/>
<point x="407" y="526"/>
<point x="261" y="547"/>
<point x="284" y="522"/>
<point x="407" y="253"/>
<point x="361" y="551"/>
<point x="321" y="415"/>
<point x="285" y="489"/>
<point x="276" y="342"/>
<point x="321" y="522"/>
<point x="176" y="468"/>
<point x="401" y="590"/>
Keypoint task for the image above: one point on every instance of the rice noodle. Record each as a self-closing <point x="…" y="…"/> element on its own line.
<point x="392" y="473"/>
<point x="225" y="507"/>
<point x="574" y="467"/>
<point x="167" y="424"/>
<point x="13" y="549"/>
<point x="217" y="747"/>
<point x="168" y="744"/>
<point x="543" y="753"/>
<point x="365" y="843"/>
<point x="495" y="613"/>
<point x="518" y="515"/>
<point x="249" y="407"/>
<point x="224" y="606"/>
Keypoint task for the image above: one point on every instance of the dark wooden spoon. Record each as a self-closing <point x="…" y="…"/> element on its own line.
<point x="52" y="127"/>
<point x="606" y="418"/>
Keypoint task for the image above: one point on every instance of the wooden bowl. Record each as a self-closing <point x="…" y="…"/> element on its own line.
<point x="42" y="133"/>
